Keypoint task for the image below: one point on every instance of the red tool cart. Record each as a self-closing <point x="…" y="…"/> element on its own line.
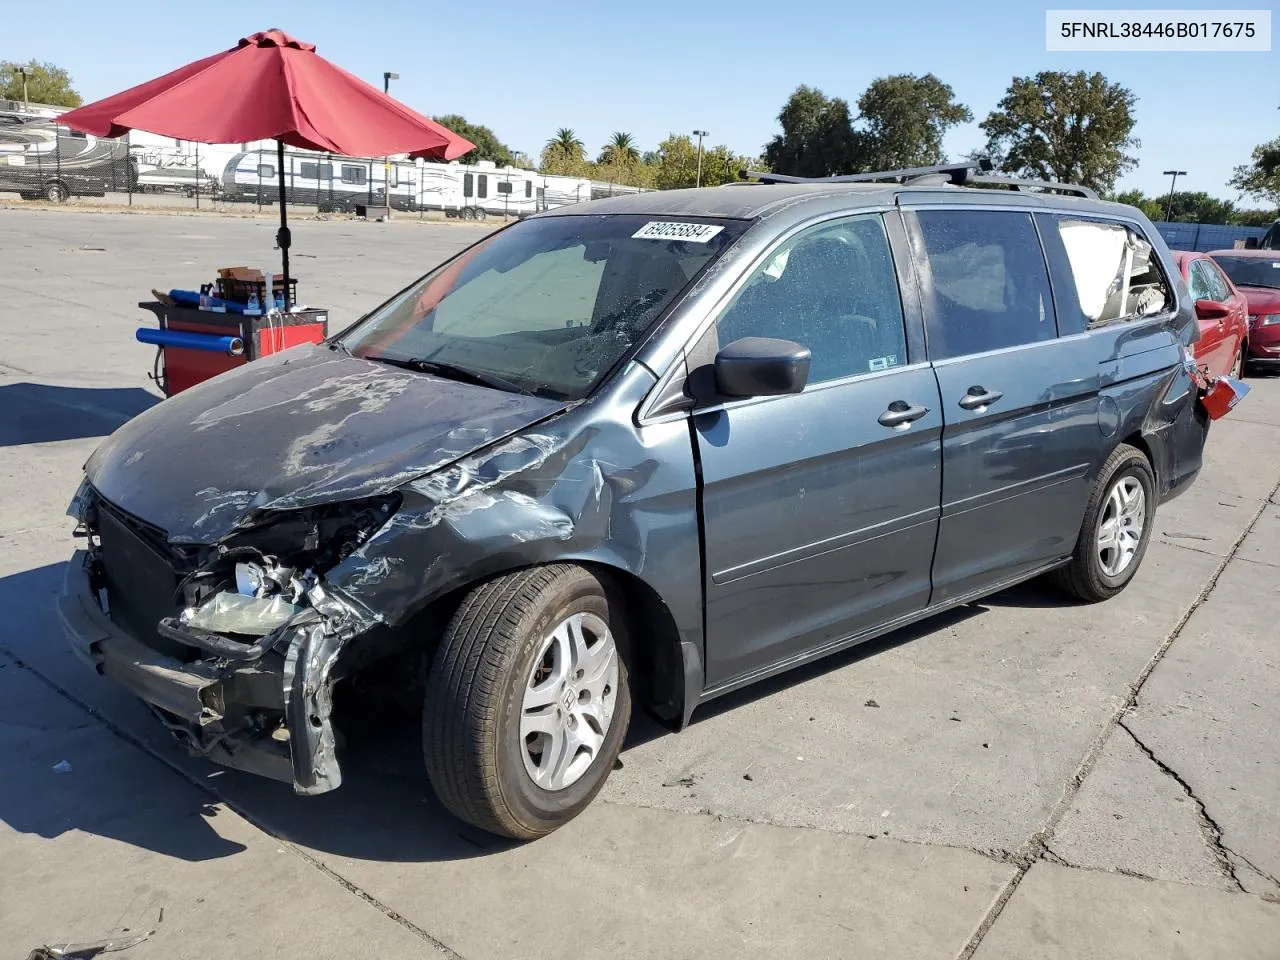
<point x="194" y="342"/>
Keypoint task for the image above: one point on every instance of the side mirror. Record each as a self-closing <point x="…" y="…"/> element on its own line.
<point x="1251" y="243"/>
<point x="1211" y="310"/>
<point x="761" y="367"/>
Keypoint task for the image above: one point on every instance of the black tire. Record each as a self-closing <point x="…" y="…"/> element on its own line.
<point x="56" y="192"/>
<point x="474" y="702"/>
<point x="1084" y="576"/>
<point x="1242" y="362"/>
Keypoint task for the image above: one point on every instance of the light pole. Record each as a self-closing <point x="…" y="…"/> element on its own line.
<point x="1168" y="207"/>
<point x="25" y="102"/>
<point x="700" y="134"/>
<point x="387" y="77"/>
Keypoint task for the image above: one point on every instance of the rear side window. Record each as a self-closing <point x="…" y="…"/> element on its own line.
<point x="353" y="174"/>
<point x="1116" y="274"/>
<point x="832" y="289"/>
<point x="990" y="286"/>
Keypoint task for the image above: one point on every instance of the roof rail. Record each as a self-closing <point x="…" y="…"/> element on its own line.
<point x="958" y="174"/>
<point x="1074" y="189"/>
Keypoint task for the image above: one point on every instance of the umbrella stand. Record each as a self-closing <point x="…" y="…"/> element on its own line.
<point x="283" y="237"/>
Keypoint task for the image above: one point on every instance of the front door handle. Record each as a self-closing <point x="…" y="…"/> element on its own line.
<point x="979" y="397"/>
<point x="901" y="413"/>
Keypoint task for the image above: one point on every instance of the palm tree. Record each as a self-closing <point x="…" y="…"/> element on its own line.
<point x="566" y="144"/>
<point x="620" y="149"/>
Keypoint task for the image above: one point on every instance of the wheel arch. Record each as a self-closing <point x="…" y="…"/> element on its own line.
<point x="666" y="670"/>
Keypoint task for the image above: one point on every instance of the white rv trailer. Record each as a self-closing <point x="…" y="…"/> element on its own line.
<point x="469" y="191"/>
<point x="333" y="183"/>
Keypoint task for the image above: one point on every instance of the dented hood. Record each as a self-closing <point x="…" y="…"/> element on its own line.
<point x="307" y="426"/>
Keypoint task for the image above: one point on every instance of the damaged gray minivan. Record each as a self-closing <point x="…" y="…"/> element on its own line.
<point x="645" y="450"/>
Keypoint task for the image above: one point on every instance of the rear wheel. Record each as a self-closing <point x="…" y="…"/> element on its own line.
<point x="56" y="192"/>
<point x="1116" y="530"/>
<point x="527" y="703"/>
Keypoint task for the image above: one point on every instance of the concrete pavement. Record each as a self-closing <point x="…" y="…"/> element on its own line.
<point x="1021" y="778"/>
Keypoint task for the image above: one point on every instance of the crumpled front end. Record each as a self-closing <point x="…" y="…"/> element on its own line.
<point x="234" y="645"/>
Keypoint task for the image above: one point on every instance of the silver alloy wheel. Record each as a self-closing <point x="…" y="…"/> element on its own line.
<point x="568" y="701"/>
<point x="1120" y="527"/>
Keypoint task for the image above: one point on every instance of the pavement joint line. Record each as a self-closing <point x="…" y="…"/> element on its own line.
<point x="235" y="808"/>
<point x="1036" y="844"/>
<point x="1261" y="563"/>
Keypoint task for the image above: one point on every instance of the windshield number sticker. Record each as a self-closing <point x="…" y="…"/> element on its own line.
<point x="666" y="230"/>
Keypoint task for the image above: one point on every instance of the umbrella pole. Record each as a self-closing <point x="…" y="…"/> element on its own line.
<point x="282" y="235"/>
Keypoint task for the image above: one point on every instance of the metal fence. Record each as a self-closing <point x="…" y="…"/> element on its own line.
<point x="1203" y="237"/>
<point x="41" y="159"/>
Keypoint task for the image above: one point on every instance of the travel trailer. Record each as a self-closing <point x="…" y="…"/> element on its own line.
<point x="42" y="160"/>
<point x="333" y="183"/>
<point x="339" y="184"/>
<point x="172" y="171"/>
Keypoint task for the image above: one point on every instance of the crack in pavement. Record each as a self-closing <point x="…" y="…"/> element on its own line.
<point x="1033" y="850"/>
<point x="995" y="854"/>
<point x="1209" y="827"/>
<point x="253" y="821"/>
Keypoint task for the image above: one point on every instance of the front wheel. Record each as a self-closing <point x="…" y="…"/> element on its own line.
<point x="1116" y="530"/>
<point x="527" y="703"/>
<point x="56" y="192"/>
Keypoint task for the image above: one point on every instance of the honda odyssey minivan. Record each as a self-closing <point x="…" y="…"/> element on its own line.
<point x="637" y="453"/>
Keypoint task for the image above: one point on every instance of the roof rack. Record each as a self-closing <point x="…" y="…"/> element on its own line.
<point x="958" y="174"/>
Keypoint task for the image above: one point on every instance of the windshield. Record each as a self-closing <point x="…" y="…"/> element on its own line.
<point x="547" y="306"/>
<point x="1251" y="271"/>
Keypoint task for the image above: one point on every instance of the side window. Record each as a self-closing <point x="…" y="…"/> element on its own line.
<point x="1217" y="281"/>
<point x="832" y="289"/>
<point x="351" y="173"/>
<point x="1198" y="282"/>
<point x="990" y="286"/>
<point x="1117" y="274"/>
<point x="482" y="185"/>
<point x="266" y="171"/>
<point x="468" y="184"/>
<point x="528" y="189"/>
<point x="309" y="171"/>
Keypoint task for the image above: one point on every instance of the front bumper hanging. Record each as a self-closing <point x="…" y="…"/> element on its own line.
<point x="216" y="707"/>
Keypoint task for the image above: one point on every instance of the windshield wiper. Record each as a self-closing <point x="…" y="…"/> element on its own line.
<point x="451" y="371"/>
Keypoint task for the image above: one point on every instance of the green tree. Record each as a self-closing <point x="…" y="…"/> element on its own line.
<point x="1136" y="198"/>
<point x="1260" y="178"/>
<point x="902" y="122"/>
<point x="620" y="150"/>
<point x="566" y="144"/>
<point x="1074" y="127"/>
<point x="1255" y="218"/>
<point x="46" y="83"/>
<point x="488" y="146"/>
<point x="677" y="164"/>
<point x="1196" y="207"/>
<point x="817" y="138"/>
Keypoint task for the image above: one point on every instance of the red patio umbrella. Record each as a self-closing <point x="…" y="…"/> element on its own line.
<point x="271" y="87"/>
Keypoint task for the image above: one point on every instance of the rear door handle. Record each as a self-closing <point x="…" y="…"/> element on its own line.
<point x="901" y="413"/>
<point x="978" y="397"/>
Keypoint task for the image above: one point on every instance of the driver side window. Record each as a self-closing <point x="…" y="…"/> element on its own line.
<point x="832" y="289"/>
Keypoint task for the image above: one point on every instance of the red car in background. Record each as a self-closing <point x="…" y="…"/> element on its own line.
<point x="1256" y="273"/>
<point x="1222" y="311"/>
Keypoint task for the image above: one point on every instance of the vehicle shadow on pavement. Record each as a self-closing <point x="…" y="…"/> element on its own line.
<point x="44" y="413"/>
<point x="385" y="810"/>
<point x="63" y="771"/>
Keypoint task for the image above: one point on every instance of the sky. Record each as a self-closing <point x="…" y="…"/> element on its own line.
<point x="525" y="69"/>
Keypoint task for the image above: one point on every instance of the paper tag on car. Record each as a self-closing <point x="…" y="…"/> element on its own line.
<point x="667" y="230"/>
